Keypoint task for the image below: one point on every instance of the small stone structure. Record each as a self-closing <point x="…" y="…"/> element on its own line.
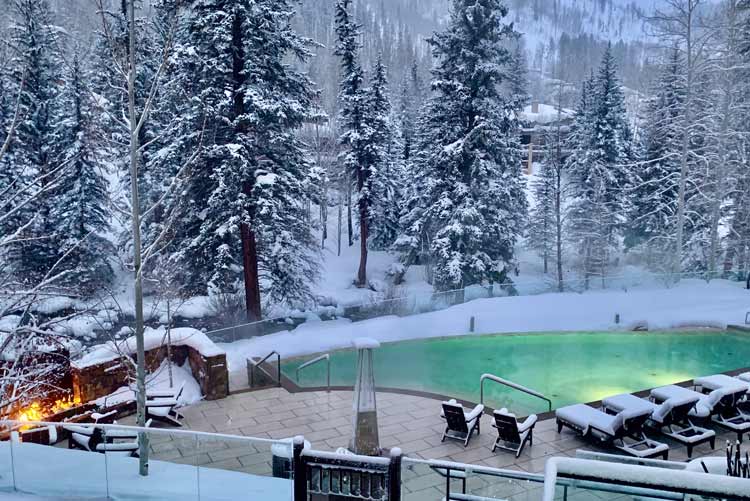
<point x="94" y="381"/>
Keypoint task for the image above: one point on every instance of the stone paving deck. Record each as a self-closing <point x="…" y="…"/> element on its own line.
<point x="409" y="422"/>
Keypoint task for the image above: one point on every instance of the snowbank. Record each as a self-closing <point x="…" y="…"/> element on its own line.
<point x="153" y="338"/>
<point x="694" y="303"/>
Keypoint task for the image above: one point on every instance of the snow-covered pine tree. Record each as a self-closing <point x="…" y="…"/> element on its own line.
<point x="80" y="208"/>
<point x="541" y="225"/>
<point x="383" y="152"/>
<point x="353" y="124"/>
<point x="598" y="167"/>
<point x="655" y="184"/>
<point x="471" y="210"/>
<point x="244" y="202"/>
<point x="35" y="68"/>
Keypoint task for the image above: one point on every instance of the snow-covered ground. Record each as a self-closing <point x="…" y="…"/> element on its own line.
<point x="51" y="471"/>
<point x="690" y="304"/>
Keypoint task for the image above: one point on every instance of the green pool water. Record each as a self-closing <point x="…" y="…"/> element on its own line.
<point x="566" y="367"/>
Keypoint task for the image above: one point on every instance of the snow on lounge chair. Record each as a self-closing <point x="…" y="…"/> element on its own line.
<point x="670" y="417"/>
<point x="714" y="402"/>
<point x="614" y="429"/>
<point x="110" y="441"/>
<point x="460" y="424"/>
<point x="512" y="435"/>
<point x="730" y="412"/>
<point x="162" y="406"/>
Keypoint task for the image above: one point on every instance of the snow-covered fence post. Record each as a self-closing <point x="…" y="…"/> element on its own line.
<point x="394" y="475"/>
<point x="298" y="469"/>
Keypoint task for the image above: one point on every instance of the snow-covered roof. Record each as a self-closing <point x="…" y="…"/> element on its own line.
<point x="545" y="114"/>
<point x="153" y="338"/>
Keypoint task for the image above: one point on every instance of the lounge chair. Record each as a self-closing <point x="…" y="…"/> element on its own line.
<point x="512" y="435"/>
<point x="460" y="423"/>
<point x="612" y="429"/>
<point x="163" y="406"/>
<point x="112" y="441"/>
<point x="670" y="417"/>
<point x="732" y="410"/>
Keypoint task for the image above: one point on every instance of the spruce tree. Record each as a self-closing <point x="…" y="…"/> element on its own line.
<point x="655" y="188"/>
<point x="80" y="209"/>
<point x="383" y="150"/>
<point x="353" y="119"/>
<point x="470" y="212"/>
<point x="35" y="70"/>
<point x="243" y="204"/>
<point x="601" y="145"/>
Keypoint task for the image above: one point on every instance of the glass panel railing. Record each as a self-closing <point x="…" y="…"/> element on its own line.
<point x="44" y="470"/>
<point x="490" y="484"/>
<point x="244" y="468"/>
<point x="101" y="461"/>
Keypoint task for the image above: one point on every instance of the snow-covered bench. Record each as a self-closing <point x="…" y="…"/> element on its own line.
<point x="460" y="424"/>
<point x="669" y="417"/>
<point x="105" y="441"/>
<point x="733" y="409"/>
<point x="512" y="435"/>
<point x="612" y="429"/>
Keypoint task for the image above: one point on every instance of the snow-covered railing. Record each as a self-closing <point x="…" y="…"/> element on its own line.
<point x="327" y="358"/>
<point x="660" y="481"/>
<point x="510" y="384"/>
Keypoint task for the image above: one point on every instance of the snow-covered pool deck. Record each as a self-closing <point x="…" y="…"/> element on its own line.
<point x="409" y="422"/>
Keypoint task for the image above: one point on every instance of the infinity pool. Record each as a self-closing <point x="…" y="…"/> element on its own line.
<point x="566" y="367"/>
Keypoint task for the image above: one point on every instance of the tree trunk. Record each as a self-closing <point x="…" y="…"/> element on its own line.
<point x="687" y="126"/>
<point x="339" y="226"/>
<point x="143" y="447"/>
<point x="350" y="225"/>
<point x="247" y="234"/>
<point x="363" y="230"/>
<point x="250" y="273"/>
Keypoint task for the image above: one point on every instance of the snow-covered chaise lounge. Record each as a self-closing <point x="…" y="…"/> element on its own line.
<point x="162" y="406"/>
<point x="460" y="423"/>
<point x="512" y="435"/>
<point x="612" y="429"/>
<point x="109" y="441"/>
<point x="733" y="410"/>
<point x="670" y="417"/>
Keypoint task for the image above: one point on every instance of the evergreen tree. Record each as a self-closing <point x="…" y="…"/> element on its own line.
<point x="35" y="69"/>
<point x="541" y="226"/>
<point x="470" y="212"/>
<point x="354" y="137"/>
<point x="383" y="152"/>
<point x="243" y="203"/>
<point x="653" y="213"/>
<point x="598" y="166"/>
<point x="80" y="210"/>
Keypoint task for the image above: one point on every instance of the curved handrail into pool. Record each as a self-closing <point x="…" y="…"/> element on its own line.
<point x="314" y="361"/>
<point x="251" y="365"/>
<point x="510" y="384"/>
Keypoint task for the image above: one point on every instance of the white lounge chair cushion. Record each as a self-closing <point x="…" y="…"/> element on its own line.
<point x="527" y="423"/>
<point x="628" y="401"/>
<point x="522" y="427"/>
<point x="745" y="376"/>
<point x="703" y="408"/>
<point x="470" y="416"/>
<point x="583" y="416"/>
<point x="81" y="440"/>
<point x="721" y="381"/>
<point x="117" y="447"/>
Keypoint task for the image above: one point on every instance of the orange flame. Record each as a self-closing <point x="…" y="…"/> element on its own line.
<point x="35" y="411"/>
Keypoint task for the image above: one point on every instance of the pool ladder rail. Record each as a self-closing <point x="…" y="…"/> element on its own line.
<point x="510" y="384"/>
<point x="325" y="357"/>
<point x="252" y="365"/>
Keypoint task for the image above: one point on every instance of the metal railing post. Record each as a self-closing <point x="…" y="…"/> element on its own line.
<point x="314" y="361"/>
<point x="394" y="475"/>
<point x="298" y="469"/>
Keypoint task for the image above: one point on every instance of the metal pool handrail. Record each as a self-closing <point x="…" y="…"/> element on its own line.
<point x="253" y="365"/>
<point x="314" y="361"/>
<point x="510" y="384"/>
